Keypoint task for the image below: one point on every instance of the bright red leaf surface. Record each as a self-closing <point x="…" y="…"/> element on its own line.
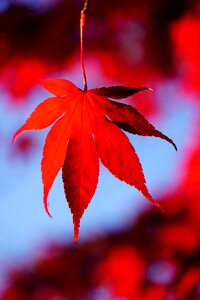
<point x="87" y="127"/>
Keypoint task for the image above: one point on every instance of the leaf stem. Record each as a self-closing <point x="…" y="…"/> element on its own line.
<point x="82" y="27"/>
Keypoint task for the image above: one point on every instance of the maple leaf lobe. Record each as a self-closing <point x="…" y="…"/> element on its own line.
<point x="118" y="92"/>
<point x="129" y="119"/>
<point x="80" y="171"/>
<point x="59" y="87"/>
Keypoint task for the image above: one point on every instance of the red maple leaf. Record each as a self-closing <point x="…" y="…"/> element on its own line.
<point x="87" y="127"/>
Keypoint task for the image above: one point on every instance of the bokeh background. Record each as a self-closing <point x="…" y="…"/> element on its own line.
<point x="128" y="249"/>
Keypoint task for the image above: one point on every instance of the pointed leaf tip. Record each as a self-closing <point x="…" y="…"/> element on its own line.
<point x="148" y="196"/>
<point x="76" y="244"/>
<point x="151" y="199"/>
<point x="163" y="136"/>
<point x="15" y="136"/>
<point x="76" y="230"/>
<point x="160" y="207"/>
<point x="175" y="147"/>
<point x="46" y="206"/>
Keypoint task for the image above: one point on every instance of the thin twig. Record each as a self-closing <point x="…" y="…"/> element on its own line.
<point x="86" y="5"/>
<point x="82" y="27"/>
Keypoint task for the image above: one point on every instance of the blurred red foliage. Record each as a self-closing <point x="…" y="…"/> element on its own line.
<point x="156" y="258"/>
<point x="134" y="34"/>
<point x="24" y="146"/>
<point x="21" y="75"/>
<point x="186" y="35"/>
